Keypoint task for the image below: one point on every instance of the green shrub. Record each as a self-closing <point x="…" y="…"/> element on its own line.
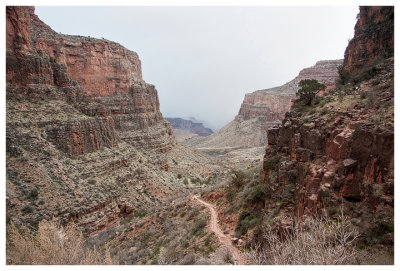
<point x="272" y="163"/>
<point x="308" y="91"/>
<point x="140" y="213"/>
<point x="238" y="178"/>
<point x="27" y="209"/>
<point x="257" y="194"/>
<point x="199" y="226"/>
<point x="247" y="221"/>
<point x="179" y="176"/>
<point x="33" y="194"/>
<point x="230" y="195"/>
<point x="344" y="75"/>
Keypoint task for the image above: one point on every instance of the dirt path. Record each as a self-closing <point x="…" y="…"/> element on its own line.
<point x="225" y="240"/>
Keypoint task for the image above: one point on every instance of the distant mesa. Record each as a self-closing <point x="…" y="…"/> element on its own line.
<point x="191" y="128"/>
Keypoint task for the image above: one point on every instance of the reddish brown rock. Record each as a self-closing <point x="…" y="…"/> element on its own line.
<point x="373" y="37"/>
<point x="342" y="161"/>
<point x="18" y="29"/>
<point x="84" y="131"/>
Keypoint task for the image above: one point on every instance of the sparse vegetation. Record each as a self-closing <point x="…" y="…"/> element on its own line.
<point x="317" y="240"/>
<point x="52" y="244"/>
<point x="33" y="194"/>
<point x="140" y="213"/>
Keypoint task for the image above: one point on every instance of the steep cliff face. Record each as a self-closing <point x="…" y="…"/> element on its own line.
<point x="272" y="104"/>
<point x="18" y="38"/>
<point x="193" y="127"/>
<point x="340" y="154"/>
<point x="373" y="37"/>
<point x="86" y="140"/>
<point x="263" y="109"/>
<point x="106" y="77"/>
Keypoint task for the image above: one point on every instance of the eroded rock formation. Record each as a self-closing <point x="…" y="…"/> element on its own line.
<point x="342" y="161"/>
<point x="86" y="140"/>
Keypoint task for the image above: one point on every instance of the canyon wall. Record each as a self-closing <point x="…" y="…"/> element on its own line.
<point x="193" y="127"/>
<point x="272" y="104"/>
<point x="263" y="109"/>
<point x="339" y="157"/>
<point x="373" y="37"/>
<point x="85" y="138"/>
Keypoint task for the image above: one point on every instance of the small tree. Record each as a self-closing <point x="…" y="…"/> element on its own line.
<point x="309" y="88"/>
<point x="344" y="75"/>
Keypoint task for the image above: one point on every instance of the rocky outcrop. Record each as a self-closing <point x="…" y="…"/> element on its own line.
<point x="85" y="137"/>
<point x="18" y="38"/>
<point x="193" y="127"/>
<point x="342" y="161"/>
<point x="373" y="37"/>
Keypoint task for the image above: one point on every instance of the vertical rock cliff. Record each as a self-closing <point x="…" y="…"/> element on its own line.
<point x="85" y="136"/>
<point x="339" y="156"/>
<point x="373" y="37"/>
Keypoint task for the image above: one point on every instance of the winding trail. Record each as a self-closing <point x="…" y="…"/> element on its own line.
<point x="224" y="240"/>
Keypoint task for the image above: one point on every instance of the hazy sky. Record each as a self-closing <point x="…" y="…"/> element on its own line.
<point x="204" y="59"/>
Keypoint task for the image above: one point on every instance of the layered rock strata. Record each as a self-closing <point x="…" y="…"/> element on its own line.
<point x="85" y="138"/>
<point x="264" y="109"/>
<point x="193" y="127"/>
<point x="341" y="162"/>
<point x="273" y="103"/>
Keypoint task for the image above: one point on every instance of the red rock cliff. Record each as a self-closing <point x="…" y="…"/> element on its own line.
<point x="84" y="132"/>
<point x="341" y="155"/>
<point x="373" y="37"/>
<point x="107" y="75"/>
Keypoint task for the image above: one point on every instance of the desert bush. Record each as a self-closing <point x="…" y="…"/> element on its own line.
<point x="315" y="241"/>
<point x="238" y="178"/>
<point x="140" y="213"/>
<point x="344" y="75"/>
<point x="52" y="244"/>
<point x="199" y="225"/>
<point x="272" y="163"/>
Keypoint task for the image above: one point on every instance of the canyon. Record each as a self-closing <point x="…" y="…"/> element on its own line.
<point x="86" y="141"/>
<point x="185" y="129"/>
<point x="86" y="144"/>
<point x="264" y="109"/>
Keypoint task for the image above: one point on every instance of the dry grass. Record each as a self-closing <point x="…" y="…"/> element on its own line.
<point x="52" y="244"/>
<point x="318" y="241"/>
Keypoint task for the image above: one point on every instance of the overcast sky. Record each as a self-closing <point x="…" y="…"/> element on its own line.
<point x="204" y="59"/>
